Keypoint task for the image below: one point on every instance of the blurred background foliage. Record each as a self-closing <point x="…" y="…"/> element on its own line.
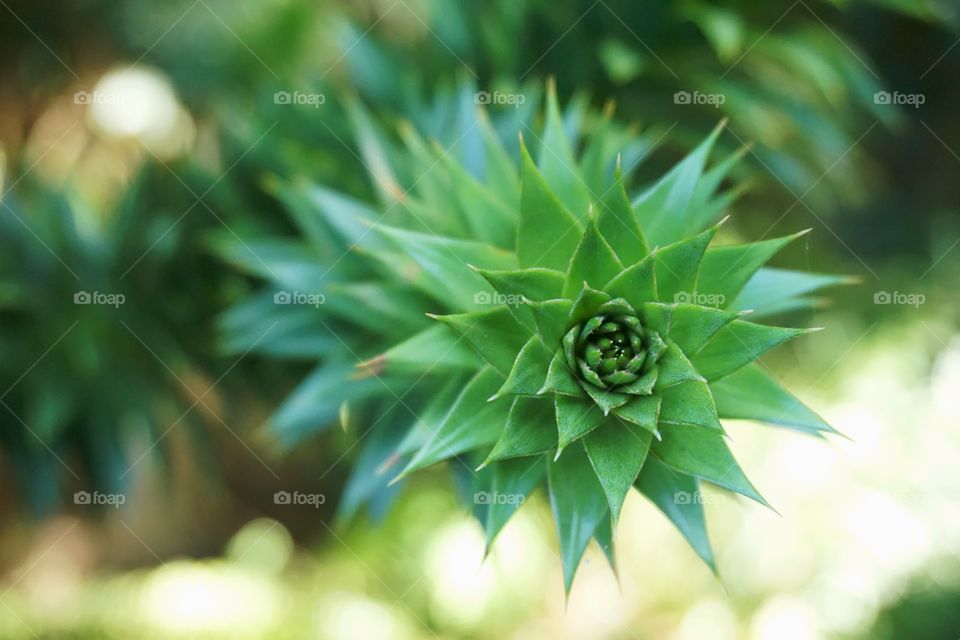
<point x="146" y="399"/>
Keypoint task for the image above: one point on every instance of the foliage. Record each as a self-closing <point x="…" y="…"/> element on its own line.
<point x="586" y="341"/>
<point x="105" y="332"/>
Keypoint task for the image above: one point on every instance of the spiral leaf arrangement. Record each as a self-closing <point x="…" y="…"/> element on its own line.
<point x="575" y="339"/>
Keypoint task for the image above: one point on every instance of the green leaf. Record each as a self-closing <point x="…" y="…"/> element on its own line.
<point x="576" y="417"/>
<point x="433" y="348"/>
<point x="691" y="326"/>
<point x="689" y="403"/>
<point x="753" y="394"/>
<point x="445" y="262"/>
<point x="703" y="453"/>
<point x="676" y="495"/>
<point x="529" y="370"/>
<point x="488" y="217"/>
<point x="314" y="404"/>
<point x="635" y="284"/>
<point x="677" y="266"/>
<point x="515" y="480"/>
<point x="551" y="318"/>
<point x="531" y="429"/>
<point x="726" y="270"/>
<point x="472" y="423"/>
<point x="674" y="368"/>
<point x="617" y="450"/>
<point x="587" y="304"/>
<point x="495" y="335"/>
<point x="547" y="234"/>
<point x="578" y="504"/>
<point x="644" y="385"/>
<point x="557" y="162"/>
<point x="618" y="226"/>
<point x="605" y="399"/>
<point x="373" y="148"/>
<point x="603" y="534"/>
<point x="536" y="284"/>
<point x="643" y="411"/>
<point x="707" y="203"/>
<point x="594" y="262"/>
<point x="500" y="171"/>
<point x="428" y="420"/>
<point x="350" y="218"/>
<point x="663" y="211"/>
<point x="772" y="290"/>
<point x="658" y="317"/>
<point x="385" y="308"/>
<point x="560" y="379"/>
<point x="737" y="344"/>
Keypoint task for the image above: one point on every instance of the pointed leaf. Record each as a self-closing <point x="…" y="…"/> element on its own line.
<point x="642" y="411"/>
<point x="635" y="284"/>
<point x="495" y="335"/>
<point x="548" y="234"/>
<point x="619" y="227"/>
<point x="434" y="347"/>
<point x="578" y="504"/>
<point x="689" y="403"/>
<point x="664" y="210"/>
<point x="489" y="219"/>
<point x="471" y="423"/>
<point x="536" y="284"/>
<point x="617" y="450"/>
<point x="605" y="399"/>
<point x="674" y="367"/>
<point x="512" y="482"/>
<point x="445" y="262"/>
<point x="587" y="304"/>
<point x="677" y="265"/>
<point x="531" y="429"/>
<point x="560" y="379"/>
<point x="557" y="163"/>
<point x="594" y="262"/>
<point x="676" y="495"/>
<point x="576" y="417"/>
<point x="737" y="344"/>
<point x="529" y="370"/>
<point x="753" y="394"/>
<point x="726" y="270"/>
<point x="603" y="534"/>
<point x="551" y="318"/>
<point x="703" y="453"/>
<point x="691" y="326"/>
<point x="772" y="290"/>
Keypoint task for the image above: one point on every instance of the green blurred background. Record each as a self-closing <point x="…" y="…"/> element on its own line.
<point x="135" y="137"/>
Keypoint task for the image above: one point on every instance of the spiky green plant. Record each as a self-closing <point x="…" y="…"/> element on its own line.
<point x="581" y="340"/>
<point x="87" y="388"/>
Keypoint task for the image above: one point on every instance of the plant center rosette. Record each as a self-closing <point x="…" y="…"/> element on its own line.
<point x="613" y="350"/>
